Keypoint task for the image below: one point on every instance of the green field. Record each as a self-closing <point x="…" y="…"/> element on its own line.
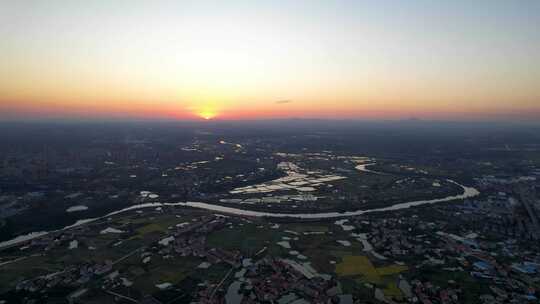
<point x="248" y="239"/>
<point x="160" y="271"/>
<point x="13" y="273"/>
<point x="301" y="228"/>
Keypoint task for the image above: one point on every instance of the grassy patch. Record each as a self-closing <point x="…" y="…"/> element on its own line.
<point x="301" y="228"/>
<point x="247" y="238"/>
<point x="214" y="273"/>
<point x="150" y="228"/>
<point x="161" y="271"/>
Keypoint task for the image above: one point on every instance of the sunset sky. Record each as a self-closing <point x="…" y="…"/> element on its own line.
<point x="270" y="59"/>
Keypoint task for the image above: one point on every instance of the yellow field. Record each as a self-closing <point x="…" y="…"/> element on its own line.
<point x="391" y="290"/>
<point x="358" y="265"/>
<point x="392" y="269"/>
<point x="362" y="266"/>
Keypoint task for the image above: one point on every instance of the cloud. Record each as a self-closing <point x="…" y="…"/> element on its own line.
<point x="284" y="101"/>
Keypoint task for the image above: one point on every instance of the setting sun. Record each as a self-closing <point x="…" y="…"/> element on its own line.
<point x="207" y="114"/>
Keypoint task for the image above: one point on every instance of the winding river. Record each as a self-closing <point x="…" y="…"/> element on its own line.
<point x="468" y="192"/>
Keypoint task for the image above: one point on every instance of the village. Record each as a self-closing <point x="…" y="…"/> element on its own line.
<point x="411" y="255"/>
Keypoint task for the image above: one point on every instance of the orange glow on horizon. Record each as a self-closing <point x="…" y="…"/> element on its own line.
<point x="244" y="111"/>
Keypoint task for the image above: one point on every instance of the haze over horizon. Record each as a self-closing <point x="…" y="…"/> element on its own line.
<point x="243" y="60"/>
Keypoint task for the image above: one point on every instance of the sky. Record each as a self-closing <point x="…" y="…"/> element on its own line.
<point x="270" y="59"/>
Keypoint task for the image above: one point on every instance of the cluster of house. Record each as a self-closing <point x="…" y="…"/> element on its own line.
<point x="428" y="293"/>
<point x="189" y="239"/>
<point x="72" y="276"/>
<point x="510" y="268"/>
<point x="276" y="280"/>
<point x="271" y="279"/>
